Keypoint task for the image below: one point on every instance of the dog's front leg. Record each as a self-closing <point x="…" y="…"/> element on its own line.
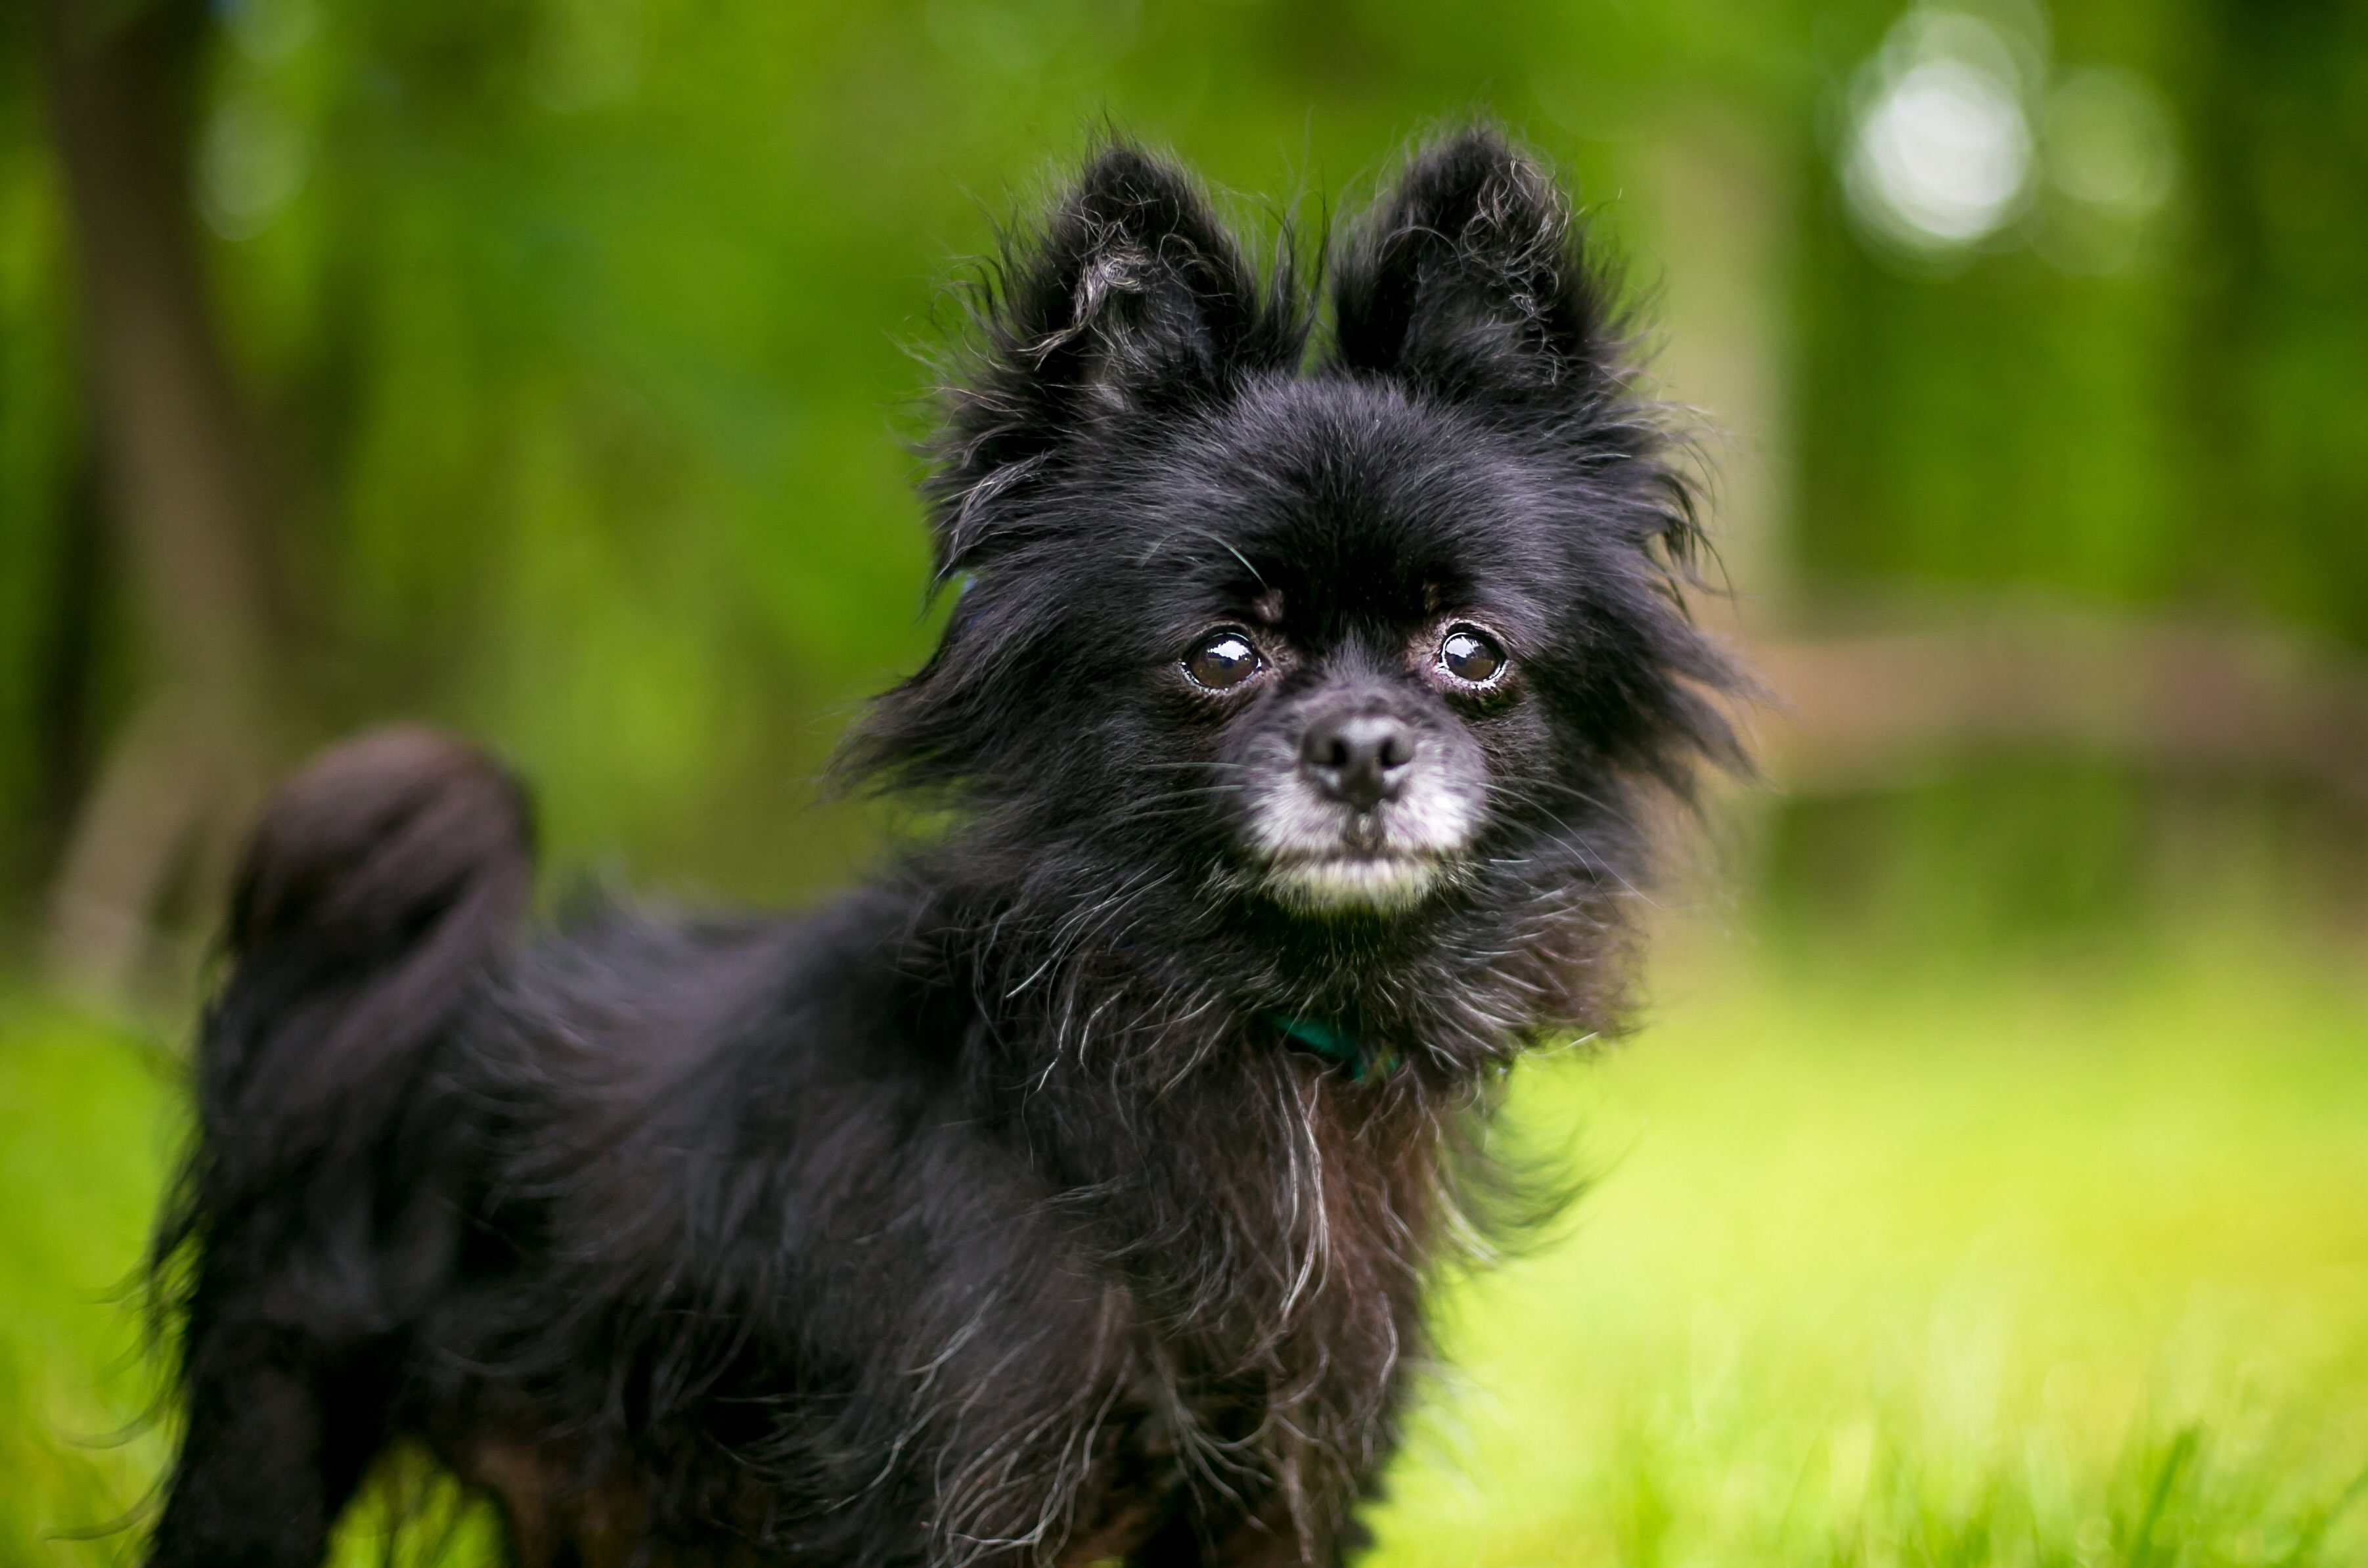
<point x="275" y="1447"/>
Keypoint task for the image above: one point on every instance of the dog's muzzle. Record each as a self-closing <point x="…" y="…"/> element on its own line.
<point x="1367" y="810"/>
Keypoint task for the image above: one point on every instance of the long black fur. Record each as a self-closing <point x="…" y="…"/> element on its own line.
<point x="994" y="1212"/>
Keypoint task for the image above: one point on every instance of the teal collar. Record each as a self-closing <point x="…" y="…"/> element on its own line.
<point x="1336" y="1046"/>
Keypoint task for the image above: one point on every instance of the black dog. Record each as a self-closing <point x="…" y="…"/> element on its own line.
<point x="1070" y="1194"/>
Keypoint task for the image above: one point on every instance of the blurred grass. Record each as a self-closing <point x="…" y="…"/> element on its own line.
<point x="2042" y="1265"/>
<point x="88" y="1122"/>
<point x="2045" y="1264"/>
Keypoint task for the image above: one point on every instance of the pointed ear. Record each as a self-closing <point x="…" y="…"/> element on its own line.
<point x="1133" y="299"/>
<point x="1469" y="278"/>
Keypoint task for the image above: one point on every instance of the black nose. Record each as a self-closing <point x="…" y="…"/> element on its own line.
<point x="1358" y="757"/>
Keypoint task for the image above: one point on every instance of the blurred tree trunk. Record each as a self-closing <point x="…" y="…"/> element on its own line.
<point x="183" y="485"/>
<point x="1722" y="207"/>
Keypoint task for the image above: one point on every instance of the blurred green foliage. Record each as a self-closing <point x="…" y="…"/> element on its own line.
<point x="579" y="327"/>
<point x="2184" y="429"/>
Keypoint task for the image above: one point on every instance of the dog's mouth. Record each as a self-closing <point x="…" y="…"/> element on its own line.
<point x="1355" y="879"/>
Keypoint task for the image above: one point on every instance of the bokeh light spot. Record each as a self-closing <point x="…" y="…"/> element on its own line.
<point x="1940" y="151"/>
<point x="2110" y="142"/>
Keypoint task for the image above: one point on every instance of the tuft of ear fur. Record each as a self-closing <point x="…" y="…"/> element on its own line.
<point x="1469" y="279"/>
<point x="1133" y="297"/>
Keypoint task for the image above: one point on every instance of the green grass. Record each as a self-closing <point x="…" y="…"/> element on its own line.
<point x="87" y="1128"/>
<point x="2039" y="1266"/>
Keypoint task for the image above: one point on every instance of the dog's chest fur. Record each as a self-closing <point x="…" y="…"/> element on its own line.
<point x="1272" y="1279"/>
<point x="1268" y="1223"/>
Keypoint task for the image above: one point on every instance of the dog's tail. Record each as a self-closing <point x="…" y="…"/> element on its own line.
<point x="383" y="880"/>
<point x="310" y="1223"/>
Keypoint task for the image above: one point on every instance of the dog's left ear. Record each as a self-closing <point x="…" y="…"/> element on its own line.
<point x="1468" y="279"/>
<point x="1133" y="299"/>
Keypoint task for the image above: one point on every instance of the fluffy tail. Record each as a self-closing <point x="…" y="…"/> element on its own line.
<point x="384" y="878"/>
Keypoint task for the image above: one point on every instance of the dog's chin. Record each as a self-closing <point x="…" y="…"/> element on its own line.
<point x="1350" y="883"/>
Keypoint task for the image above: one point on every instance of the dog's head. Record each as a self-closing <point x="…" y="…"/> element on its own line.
<point x="1338" y="626"/>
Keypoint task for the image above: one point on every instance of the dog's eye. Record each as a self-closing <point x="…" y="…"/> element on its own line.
<point x="1221" y="662"/>
<point x="1471" y="656"/>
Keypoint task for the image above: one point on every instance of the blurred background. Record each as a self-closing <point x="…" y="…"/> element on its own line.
<point x="1991" y="1180"/>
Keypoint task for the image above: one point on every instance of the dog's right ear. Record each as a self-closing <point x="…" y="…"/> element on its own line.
<point x="1133" y="299"/>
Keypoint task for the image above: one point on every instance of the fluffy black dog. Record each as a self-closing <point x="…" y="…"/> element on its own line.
<point x="1068" y="1195"/>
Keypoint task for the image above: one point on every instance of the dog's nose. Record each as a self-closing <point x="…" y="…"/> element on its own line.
<point x="1358" y="757"/>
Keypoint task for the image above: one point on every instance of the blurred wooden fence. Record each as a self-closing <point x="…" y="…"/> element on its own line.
<point x="1862" y="713"/>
